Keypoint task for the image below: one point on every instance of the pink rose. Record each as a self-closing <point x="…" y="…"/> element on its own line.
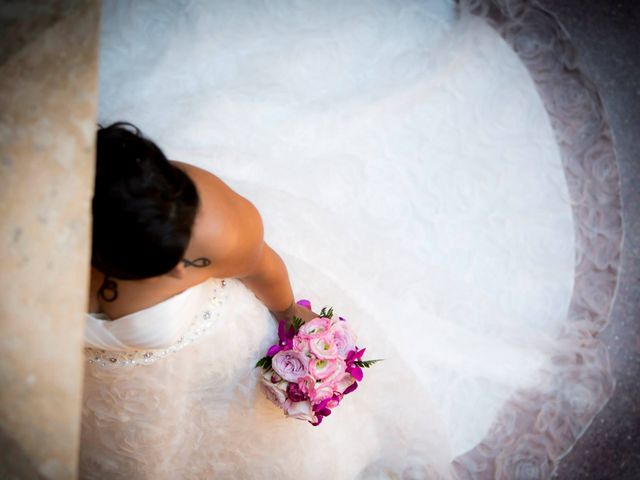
<point x="306" y="384"/>
<point x="322" y="368"/>
<point x="337" y="375"/>
<point x="300" y="410"/>
<point x="301" y="345"/>
<point x="322" y="391"/>
<point x="315" y="328"/>
<point x="316" y="391"/>
<point x="323" y="347"/>
<point x="290" y="365"/>
<point x="343" y="338"/>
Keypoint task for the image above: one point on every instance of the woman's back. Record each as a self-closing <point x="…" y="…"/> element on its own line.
<point x="226" y="227"/>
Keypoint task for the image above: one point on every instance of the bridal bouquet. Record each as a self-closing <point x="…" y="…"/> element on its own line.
<point x="313" y="366"/>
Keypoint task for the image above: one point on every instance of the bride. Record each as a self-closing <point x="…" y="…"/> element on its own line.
<point x="184" y="292"/>
<point x="153" y="217"/>
<point x="406" y="174"/>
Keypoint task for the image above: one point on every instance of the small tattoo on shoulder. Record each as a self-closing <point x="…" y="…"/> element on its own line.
<point x="198" y="262"/>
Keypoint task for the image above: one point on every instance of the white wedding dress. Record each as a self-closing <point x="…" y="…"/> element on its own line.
<point x="406" y="172"/>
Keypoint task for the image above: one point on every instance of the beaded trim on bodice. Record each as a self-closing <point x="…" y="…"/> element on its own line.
<point x="206" y="317"/>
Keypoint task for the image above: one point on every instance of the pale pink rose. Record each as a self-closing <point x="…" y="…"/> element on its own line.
<point x="290" y="365"/>
<point x="316" y="391"/>
<point x="338" y="374"/>
<point x="307" y="384"/>
<point x="323" y="368"/>
<point x="321" y="391"/>
<point x="323" y="347"/>
<point x="315" y="328"/>
<point x="301" y="345"/>
<point x="343" y="338"/>
<point x="300" y="410"/>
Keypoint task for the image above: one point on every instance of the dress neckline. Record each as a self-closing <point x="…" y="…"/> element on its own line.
<point x="104" y="317"/>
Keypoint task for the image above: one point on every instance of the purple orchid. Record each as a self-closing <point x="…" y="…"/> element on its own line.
<point x="350" y="388"/>
<point x="304" y="303"/>
<point x="285" y="339"/>
<point x="352" y="368"/>
<point x="285" y="336"/>
<point x="320" y="410"/>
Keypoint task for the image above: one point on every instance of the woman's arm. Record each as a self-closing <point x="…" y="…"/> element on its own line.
<point x="234" y="233"/>
<point x="264" y="272"/>
<point x="269" y="281"/>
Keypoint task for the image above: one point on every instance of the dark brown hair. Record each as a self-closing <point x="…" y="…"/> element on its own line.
<point x="143" y="207"/>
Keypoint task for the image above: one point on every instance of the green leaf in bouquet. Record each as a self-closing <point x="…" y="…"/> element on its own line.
<point x="297" y="323"/>
<point x="264" y="362"/>
<point x="326" y="313"/>
<point x="367" y="363"/>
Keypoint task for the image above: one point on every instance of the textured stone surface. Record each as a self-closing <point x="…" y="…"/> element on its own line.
<point x="21" y="21"/>
<point x="606" y="35"/>
<point x="48" y="97"/>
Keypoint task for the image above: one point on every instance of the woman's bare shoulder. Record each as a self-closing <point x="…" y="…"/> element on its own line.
<point x="206" y="182"/>
<point x="228" y="224"/>
<point x="212" y="188"/>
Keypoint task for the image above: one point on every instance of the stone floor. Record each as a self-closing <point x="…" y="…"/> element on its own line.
<point x="606" y="34"/>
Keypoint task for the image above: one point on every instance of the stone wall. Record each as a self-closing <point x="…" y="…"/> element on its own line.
<point x="48" y="101"/>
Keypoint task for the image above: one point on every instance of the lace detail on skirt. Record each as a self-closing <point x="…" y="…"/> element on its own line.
<point x="538" y="426"/>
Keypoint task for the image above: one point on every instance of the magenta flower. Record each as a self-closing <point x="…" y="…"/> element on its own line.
<point x="335" y="400"/>
<point x="285" y="339"/>
<point x="321" y="409"/>
<point x="295" y="394"/>
<point x="350" y="388"/>
<point x="352" y="368"/>
<point x="304" y="303"/>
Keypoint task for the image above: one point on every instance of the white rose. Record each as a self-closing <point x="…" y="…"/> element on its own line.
<point x="300" y="410"/>
<point x="276" y="392"/>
